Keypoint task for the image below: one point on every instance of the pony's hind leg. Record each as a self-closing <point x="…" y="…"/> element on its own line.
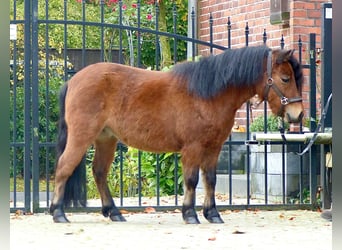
<point x="66" y="167"/>
<point x="104" y="154"/>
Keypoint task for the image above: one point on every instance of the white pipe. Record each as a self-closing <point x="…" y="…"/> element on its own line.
<point x="322" y="138"/>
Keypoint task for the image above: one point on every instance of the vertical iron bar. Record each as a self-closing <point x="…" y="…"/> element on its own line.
<point x="65" y="42"/>
<point x="211" y="32"/>
<point x="35" y="109"/>
<point x="246" y="33"/>
<point x="264" y="37"/>
<point x="265" y="153"/>
<point x="158" y="179"/>
<point x="248" y="107"/>
<point x="102" y="29"/>
<point x="312" y="82"/>
<point x="266" y="173"/>
<point x="120" y="32"/>
<point x="14" y="116"/>
<point x="229" y="28"/>
<point x="139" y="40"/>
<point x="300" y="46"/>
<point x="313" y="150"/>
<point x="121" y="173"/>
<point x="83" y="34"/>
<point x="47" y="100"/>
<point x="193" y="33"/>
<point x="174" y="11"/>
<point x="27" y="104"/>
<point x="283" y="167"/>
<point x="301" y="176"/>
<point x="157" y="36"/>
<point x="248" y="165"/>
<point x="230" y="170"/>
<point x="139" y="177"/>
<point x="282" y="42"/>
<point x="176" y="177"/>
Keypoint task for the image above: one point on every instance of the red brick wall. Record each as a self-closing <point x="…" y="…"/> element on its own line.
<point x="305" y="18"/>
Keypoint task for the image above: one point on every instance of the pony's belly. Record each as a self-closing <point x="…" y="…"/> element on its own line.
<point x="152" y="142"/>
<point x="152" y="145"/>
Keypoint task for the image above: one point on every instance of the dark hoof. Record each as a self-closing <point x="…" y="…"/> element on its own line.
<point x="212" y="215"/>
<point x="216" y="220"/>
<point x="58" y="214"/>
<point x="60" y="218"/>
<point x="191" y="220"/>
<point x="189" y="215"/>
<point x="117" y="217"/>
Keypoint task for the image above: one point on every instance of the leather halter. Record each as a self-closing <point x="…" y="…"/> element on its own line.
<point x="270" y="84"/>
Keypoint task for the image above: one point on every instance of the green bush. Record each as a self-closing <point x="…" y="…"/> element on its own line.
<point x="273" y="123"/>
<point x="47" y="130"/>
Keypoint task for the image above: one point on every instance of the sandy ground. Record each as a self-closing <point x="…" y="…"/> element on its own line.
<point x="296" y="229"/>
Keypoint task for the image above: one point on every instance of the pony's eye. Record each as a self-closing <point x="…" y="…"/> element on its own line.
<point x="285" y="79"/>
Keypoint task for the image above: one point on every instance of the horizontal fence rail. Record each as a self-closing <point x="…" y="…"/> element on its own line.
<point x="138" y="179"/>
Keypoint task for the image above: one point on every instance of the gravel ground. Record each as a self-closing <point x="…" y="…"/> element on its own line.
<point x="295" y="229"/>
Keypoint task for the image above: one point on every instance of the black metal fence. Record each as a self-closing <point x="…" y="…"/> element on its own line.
<point x="37" y="71"/>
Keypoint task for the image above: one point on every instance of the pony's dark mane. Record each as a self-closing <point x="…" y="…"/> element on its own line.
<point x="234" y="67"/>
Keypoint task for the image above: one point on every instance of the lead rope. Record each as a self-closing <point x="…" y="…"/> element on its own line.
<point x="313" y="138"/>
<point x="281" y="128"/>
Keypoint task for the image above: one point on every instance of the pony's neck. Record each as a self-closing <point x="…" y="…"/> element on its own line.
<point x="242" y="95"/>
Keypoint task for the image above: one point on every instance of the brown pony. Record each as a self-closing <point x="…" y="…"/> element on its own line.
<point x="189" y="109"/>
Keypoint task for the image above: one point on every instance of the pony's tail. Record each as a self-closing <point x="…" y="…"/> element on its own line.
<point x="75" y="189"/>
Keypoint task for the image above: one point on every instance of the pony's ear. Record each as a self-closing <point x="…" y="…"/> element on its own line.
<point x="284" y="55"/>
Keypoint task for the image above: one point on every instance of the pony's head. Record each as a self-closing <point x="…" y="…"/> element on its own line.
<point x="284" y="85"/>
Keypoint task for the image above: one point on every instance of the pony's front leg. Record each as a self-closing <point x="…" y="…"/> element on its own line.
<point x="190" y="182"/>
<point x="209" y="207"/>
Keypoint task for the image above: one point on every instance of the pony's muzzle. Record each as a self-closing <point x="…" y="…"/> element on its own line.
<point x="294" y="119"/>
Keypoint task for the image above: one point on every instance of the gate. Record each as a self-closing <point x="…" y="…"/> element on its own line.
<point x="38" y="69"/>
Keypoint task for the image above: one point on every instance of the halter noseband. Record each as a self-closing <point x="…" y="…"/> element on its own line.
<point x="270" y="84"/>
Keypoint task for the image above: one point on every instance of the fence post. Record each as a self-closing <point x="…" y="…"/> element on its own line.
<point x="326" y="86"/>
<point x="326" y="54"/>
<point x="35" y="109"/>
<point x="27" y="105"/>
